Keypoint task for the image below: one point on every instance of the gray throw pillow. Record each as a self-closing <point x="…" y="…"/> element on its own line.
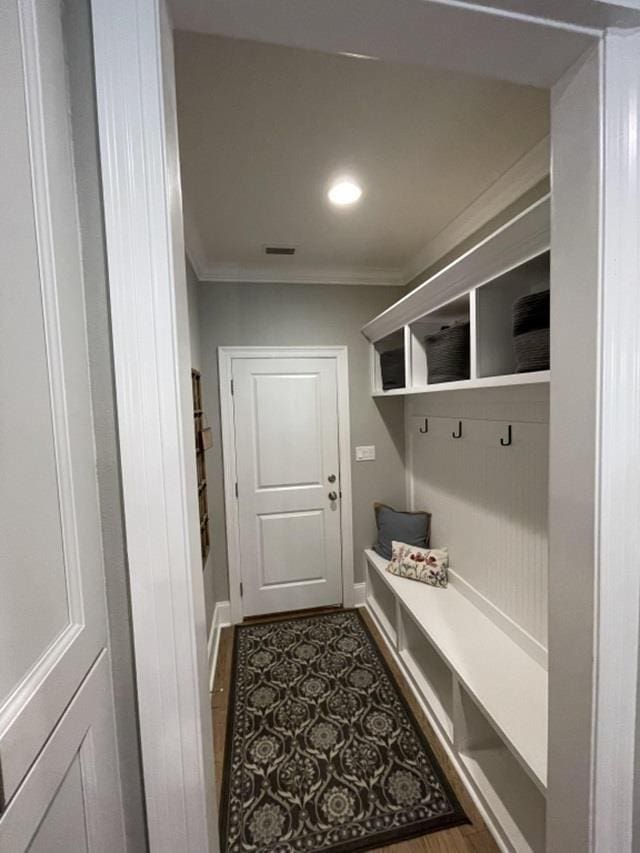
<point x="413" y="528"/>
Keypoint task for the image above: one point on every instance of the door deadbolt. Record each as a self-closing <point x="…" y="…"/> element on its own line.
<point x="333" y="496"/>
<point x="331" y="478"/>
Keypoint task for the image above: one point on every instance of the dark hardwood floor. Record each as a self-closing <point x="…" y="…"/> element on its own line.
<point x="473" y="838"/>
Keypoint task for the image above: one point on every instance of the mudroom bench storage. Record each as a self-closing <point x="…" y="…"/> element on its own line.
<point x="484" y="693"/>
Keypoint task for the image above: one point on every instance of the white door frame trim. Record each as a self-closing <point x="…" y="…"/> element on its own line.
<point x="135" y="90"/>
<point x="226" y="355"/>
<point x="141" y="191"/>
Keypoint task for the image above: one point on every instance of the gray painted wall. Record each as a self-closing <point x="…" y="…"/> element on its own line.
<point x="193" y="290"/>
<point x="304" y="315"/>
<point x="192" y="305"/>
<point x="78" y="38"/>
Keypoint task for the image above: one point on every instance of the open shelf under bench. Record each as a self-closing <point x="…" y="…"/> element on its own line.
<point x="486" y="696"/>
<point x="507" y="684"/>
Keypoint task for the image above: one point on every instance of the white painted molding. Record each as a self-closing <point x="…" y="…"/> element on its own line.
<point x="617" y="610"/>
<point x="221" y="619"/>
<point x="529" y="170"/>
<point x="359" y="594"/>
<point x="266" y="274"/>
<point x="232" y="524"/>
<point x="135" y="87"/>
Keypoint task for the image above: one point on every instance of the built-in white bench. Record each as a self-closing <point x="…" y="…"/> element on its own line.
<point x="486" y="696"/>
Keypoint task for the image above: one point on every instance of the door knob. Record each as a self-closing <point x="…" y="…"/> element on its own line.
<point x="331" y="478"/>
<point x="333" y="496"/>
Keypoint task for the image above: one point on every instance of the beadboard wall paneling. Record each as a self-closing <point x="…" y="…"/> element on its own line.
<point x="489" y="502"/>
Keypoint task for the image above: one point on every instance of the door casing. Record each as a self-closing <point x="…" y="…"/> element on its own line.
<point x="146" y="271"/>
<point x="226" y="357"/>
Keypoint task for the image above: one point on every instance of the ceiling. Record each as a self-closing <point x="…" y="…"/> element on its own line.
<point x="216" y="16"/>
<point x="532" y="42"/>
<point x="264" y="128"/>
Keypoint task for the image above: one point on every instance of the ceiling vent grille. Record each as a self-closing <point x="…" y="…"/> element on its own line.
<point x="279" y="250"/>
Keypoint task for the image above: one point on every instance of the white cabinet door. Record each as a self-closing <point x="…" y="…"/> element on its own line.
<point x="52" y="609"/>
<point x="69" y="801"/>
<point x="286" y="423"/>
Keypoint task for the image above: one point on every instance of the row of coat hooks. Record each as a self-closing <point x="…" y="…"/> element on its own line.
<point x="505" y="442"/>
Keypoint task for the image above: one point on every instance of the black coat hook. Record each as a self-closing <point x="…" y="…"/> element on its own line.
<point x="508" y="441"/>
<point x="459" y="433"/>
<point x="426" y="426"/>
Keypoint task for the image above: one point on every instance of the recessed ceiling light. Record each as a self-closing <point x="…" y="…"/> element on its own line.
<point x="345" y="192"/>
<point x="357" y="55"/>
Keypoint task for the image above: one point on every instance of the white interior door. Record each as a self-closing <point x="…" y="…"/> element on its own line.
<point x="287" y="464"/>
<point x="52" y="606"/>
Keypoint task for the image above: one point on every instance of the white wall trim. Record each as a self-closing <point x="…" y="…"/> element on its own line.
<point x="226" y="355"/>
<point x="265" y="274"/>
<point x="162" y="540"/>
<point x="221" y="619"/>
<point x="359" y="594"/>
<point x="617" y="616"/>
<point x="135" y="86"/>
<point x="528" y="171"/>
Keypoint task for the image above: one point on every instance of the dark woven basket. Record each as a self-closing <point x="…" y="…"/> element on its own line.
<point x="392" y="369"/>
<point x="448" y="354"/>
<point x="531" y="316"/>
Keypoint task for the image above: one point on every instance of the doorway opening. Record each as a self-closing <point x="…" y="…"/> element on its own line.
<point x="386" y="210"/>
<point x="589" y="704"/>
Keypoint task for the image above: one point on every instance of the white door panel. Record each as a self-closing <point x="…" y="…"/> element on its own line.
<point x="71" y="795"/>
<point x="52" y="607"/>
<point x="33" y="577"/>
<point x="63" y="826"/>
<point x="304" y="535"/>
<point x="296" y="414"/>
<point x="286" y="423"/>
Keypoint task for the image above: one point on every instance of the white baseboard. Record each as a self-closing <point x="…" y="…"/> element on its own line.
<point x="221" y="619"/>
<point x="359" y="594"/>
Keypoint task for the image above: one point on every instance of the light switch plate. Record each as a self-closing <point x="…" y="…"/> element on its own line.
<point x="366" y="453"/>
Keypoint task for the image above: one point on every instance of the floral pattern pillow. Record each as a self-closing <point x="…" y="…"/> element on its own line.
<point x="428" y="565"/>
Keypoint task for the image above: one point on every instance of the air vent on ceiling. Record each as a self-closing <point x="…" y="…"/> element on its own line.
<point x="279" y="250"/>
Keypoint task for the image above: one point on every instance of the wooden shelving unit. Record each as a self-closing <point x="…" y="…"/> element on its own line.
<point x="480" y="288"/>
<point x="201" y="467"/>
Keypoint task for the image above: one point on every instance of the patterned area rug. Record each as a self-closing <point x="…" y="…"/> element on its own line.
<point x="322" y="751"/>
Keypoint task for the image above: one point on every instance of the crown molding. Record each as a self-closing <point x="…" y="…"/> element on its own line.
<point x="255" y="273"/>
<point x="528" y="171"/>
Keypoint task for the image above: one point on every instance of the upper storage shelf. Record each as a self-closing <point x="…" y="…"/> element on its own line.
<point x="473" y="298"/>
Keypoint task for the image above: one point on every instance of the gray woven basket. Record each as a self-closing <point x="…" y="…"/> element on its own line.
<point x="448" y="354"/>
<point x="532" y="350"/>
<point x="531" y="315"/>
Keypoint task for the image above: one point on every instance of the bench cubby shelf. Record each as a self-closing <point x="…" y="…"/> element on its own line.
<point x="480" y="287"/>
<point x="485" y="696"/>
